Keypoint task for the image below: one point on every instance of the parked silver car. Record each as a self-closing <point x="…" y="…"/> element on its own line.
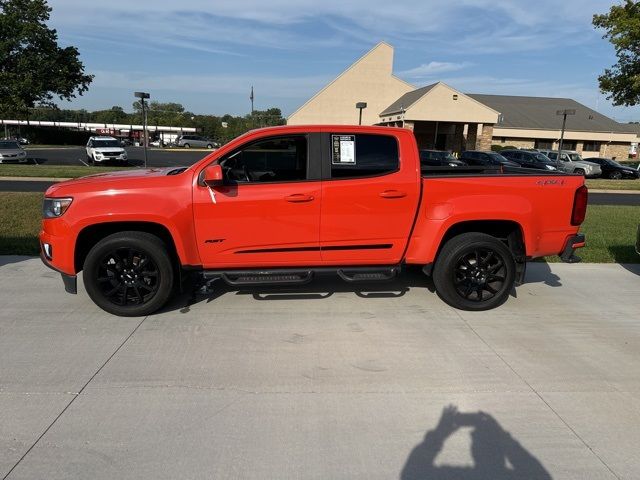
<point x="572" y="162"/>
<point x="12" y="152"/>
<point x="189" y="141"/>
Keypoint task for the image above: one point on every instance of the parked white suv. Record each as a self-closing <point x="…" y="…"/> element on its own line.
<point x="103" y="149"/>
<point x="572" y="162"/>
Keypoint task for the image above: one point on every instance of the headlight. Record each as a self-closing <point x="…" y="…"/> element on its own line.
<point x="453" y="164"/>
<point x="55" y="207"/>
<point x="550" y="167"/>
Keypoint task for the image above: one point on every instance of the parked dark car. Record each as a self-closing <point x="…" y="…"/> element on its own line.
<point x="612" y="169"/>
<point x="439" y="158"/>
<point x="530" y="159"/>
<point x="475" y="157"/>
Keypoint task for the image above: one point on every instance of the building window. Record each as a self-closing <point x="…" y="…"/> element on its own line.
<point x="544" y="144"/>
<point x="591" y="146"/>
<point x="503" y="140"/>
<point x="568" y="145"/>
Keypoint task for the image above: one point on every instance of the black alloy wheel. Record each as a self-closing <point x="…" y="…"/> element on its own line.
<point x="474" y="271"/>
<point x="479" y="274"/>
<point x="615" y="175"/>
<point x="129" y="273"/>
<point x="127" y="276"/>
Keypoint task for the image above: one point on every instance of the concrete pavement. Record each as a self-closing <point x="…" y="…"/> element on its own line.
<point x="328" y="382"/>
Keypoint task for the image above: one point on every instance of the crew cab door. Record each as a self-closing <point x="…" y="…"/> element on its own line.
<point x="267" y="213"/>
<point x="370" y="194"/>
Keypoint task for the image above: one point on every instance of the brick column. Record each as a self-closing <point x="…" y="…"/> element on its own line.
<point x="485" y="139"/>
<point x="472" y="136"/>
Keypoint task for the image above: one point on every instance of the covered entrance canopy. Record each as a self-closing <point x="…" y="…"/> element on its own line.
<point x="443" y="118"/>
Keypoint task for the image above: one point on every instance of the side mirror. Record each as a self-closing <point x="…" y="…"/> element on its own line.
<point x="213" y="176"/>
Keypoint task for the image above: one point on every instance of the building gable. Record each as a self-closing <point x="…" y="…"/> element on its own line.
<point x="370" y="80"/>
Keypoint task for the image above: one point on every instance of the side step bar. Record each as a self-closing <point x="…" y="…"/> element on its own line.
<point x="371" y="274"/>
<point x="289" y="276"/>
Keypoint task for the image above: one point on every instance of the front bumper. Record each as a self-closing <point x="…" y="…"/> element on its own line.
<point x="571" y="245"/>
<point x="70" y="281"/>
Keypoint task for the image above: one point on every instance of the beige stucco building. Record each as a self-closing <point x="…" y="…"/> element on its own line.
<point x="444" y="118"/>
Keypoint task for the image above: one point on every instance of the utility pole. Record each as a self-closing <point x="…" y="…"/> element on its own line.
<point x="564" y="114"/>
<point x="142" y="96"/>
<point x="251" y="98"/>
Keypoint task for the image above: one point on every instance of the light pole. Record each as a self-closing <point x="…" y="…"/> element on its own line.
<point x="361" y="106"/>
<point x="564" y="114"/>
<point x="142" y="96"/>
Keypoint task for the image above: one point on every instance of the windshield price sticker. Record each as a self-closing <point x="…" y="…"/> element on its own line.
<point x="343" y="148"/>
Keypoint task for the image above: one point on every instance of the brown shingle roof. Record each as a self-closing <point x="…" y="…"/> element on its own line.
<point x="540" y="112"/>
<point x="406" y="100"/>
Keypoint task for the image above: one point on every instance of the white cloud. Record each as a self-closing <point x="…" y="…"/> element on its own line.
<point x="431" y="69"/>
<point x="507" y="25"/>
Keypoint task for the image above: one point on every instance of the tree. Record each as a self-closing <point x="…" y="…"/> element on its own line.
<point x="34" y="69"/>
<point x="622" y="27"/>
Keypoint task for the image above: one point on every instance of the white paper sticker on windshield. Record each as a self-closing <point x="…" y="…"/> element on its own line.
<point x="343" y="149"/>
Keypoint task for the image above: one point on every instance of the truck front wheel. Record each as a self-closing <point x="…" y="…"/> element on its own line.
<point x="129" y="274"/>
<point x="474" y="271"/>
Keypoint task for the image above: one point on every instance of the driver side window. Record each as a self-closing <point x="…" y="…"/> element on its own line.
<point x="275" y="159"/>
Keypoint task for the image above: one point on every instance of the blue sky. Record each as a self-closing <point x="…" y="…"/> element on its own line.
<point x="206" y="54"/>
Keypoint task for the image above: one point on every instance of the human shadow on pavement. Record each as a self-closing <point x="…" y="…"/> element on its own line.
<point x="540" y="272"/>
<point x="496" y="454"/>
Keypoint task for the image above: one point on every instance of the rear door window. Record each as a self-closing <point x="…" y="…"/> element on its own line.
<point x="363" y="155"/>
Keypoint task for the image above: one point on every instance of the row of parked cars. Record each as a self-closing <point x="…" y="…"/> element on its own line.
<point x="569" y="161"/>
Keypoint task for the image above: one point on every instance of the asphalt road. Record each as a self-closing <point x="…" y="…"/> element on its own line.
<point x="77" y="156"/>
<point x="594" y="198"/>
<point x="329" y="383"/>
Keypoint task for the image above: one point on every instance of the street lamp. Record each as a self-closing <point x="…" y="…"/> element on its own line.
<point x="564" y="114"/>
<point x="361" y="106"/>
<point x="142" y="96"/>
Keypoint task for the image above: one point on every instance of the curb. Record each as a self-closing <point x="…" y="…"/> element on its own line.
<point x="34" y="179"/>
<point x="620" y="192"/>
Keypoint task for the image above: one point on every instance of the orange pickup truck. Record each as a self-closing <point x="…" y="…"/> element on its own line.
<point x="278" y="205"/>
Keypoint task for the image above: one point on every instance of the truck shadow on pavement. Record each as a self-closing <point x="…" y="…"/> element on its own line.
<point x="496" y="454"/>
<point x="540" y="272"/>
<point x="322" y="287"/>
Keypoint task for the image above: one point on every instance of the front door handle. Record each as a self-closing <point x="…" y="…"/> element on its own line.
<point x="299" y="198"/>
<point x="393" y="194"/>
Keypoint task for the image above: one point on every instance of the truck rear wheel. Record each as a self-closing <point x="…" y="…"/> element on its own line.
<point x="129" y="274"/>
<point x="474" y="271"/>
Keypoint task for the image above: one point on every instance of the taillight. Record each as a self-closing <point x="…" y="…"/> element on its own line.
<point x="579" y="205"/>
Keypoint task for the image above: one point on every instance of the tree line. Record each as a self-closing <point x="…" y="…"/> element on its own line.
<point x="220" y="128"/>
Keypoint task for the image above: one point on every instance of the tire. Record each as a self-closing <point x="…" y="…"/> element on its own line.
<point x="143" y="265"/>
<point x="615" y="175"/>
<point x="186" y="145"/>
<point x="579" y="171"/>
<point x="90" y="160"/>
<point x="209" y="146"/>
<point x="460" y="284"/>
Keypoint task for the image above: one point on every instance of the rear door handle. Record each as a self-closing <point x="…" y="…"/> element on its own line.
<point x="393" y="194"/>
<point x="299" y="198"/>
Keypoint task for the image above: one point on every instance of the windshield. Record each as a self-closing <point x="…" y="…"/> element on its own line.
<point x="105" y="143"/>
<point x="435" y="155"/>
<point x="8" y="145"/>
<point x="496" y="157"/>
<point x="612" y="162"/>
<point x="542" y="158"/>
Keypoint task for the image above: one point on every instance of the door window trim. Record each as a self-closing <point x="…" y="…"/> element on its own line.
<point x="313" y="151"/>
<point x="326" y="156"/>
